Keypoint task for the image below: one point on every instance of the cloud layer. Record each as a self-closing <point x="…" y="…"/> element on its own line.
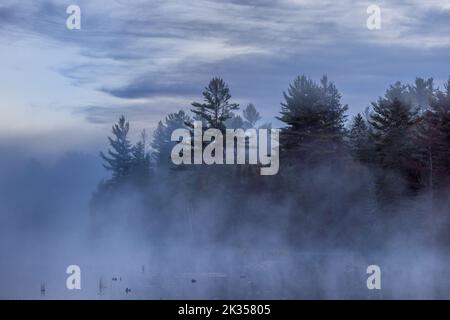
<point x="160" y="54"/>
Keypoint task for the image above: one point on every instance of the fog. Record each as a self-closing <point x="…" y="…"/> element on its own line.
<point x="271" y="248"/>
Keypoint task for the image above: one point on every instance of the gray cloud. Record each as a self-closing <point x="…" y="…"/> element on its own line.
<point x="146" y="87"/>
<point x="144" y="114"/>
<point x="142" y="49"/>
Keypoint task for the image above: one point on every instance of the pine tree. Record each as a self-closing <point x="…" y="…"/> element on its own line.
<point x="234" y="122"/>
<point x="141" y="160"/>
<point x="251" y="116"/>
<point x="433" y="137"/>
<point x="421" y="93"/>
<point x="417" y="95"/>
<point x="411" y="153"/>
<point x="393" y="125"/>
<point x="398" y="91"/>
<point x="315" y="118"/>
<point x="216" y="108"/>
<point x="162" y="144"/>
<point x="359" y="139"/>
<point x="119" y="159"/>
<point x="249" y="120"/>
<point x="392" y="121"/>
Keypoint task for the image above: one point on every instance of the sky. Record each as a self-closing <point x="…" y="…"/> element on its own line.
<point x="62" y="89"/>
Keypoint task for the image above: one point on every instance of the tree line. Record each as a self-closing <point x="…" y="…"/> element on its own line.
<point x="403" y="139"/>
<point x="407" y="130"/>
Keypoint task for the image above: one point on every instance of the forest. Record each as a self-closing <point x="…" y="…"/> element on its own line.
<point x="351" y="191"/>
<point x="341" y="181"/>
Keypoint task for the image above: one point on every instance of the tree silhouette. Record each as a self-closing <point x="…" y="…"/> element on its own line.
<point x="141" y="160"/>
<point x="119" y="159"/>
<point x="216" y="108"/>
<point x="433" y="139"/>
<point x="251" y="115"/>
<point x="359" y="139"/>
<point x="314" y="116"/>
<point x="161" y="143"/>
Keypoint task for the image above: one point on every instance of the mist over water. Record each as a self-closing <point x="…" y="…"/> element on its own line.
<point x="358" y="185"/>
<point x="263" y="251"/>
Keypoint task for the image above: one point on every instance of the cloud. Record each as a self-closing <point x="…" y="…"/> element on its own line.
<point x="145" y="87"/>
<point x="136" y="49"/>
<point x="143" y="114"/>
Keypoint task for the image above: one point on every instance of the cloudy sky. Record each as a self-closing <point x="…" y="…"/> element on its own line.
<point x="62" y="89"/>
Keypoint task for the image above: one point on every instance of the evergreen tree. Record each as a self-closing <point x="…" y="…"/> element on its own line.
<point x="413" y="151"/>
<point x="398" y="91"/>
<point x="314" y="116"/>
<point x="359" y="139"/>
<point x="249" y="120"/>
<point x="421" y="93"/>
<point x="141" y="160"/>
<point x="433" y="138"/>
<point x="392" y="121"/>
<point x="216" y="108"/>
<point x="417" y="95"/>
<point x="234" y="122"/>
<point x="162" y="145"/>
<point x="119" y="159"/>
<point x="393" y="128"/>
<point x="251" y="116"/>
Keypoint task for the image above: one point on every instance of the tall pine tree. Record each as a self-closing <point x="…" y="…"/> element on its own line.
<point x="392" y="121"/>
<point x="433" y="137"/>
<point x="141" y="160"/>
<point x="251" y="116"/>
<point x="359" y="139"/>
<point x="162" y="145"/>
<point x="315" y="118"/>
<point x="119" y="159"/>
<point x="216" y="108"/>
<point x="393" y="124"/>
<point x="421" y="93"/>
